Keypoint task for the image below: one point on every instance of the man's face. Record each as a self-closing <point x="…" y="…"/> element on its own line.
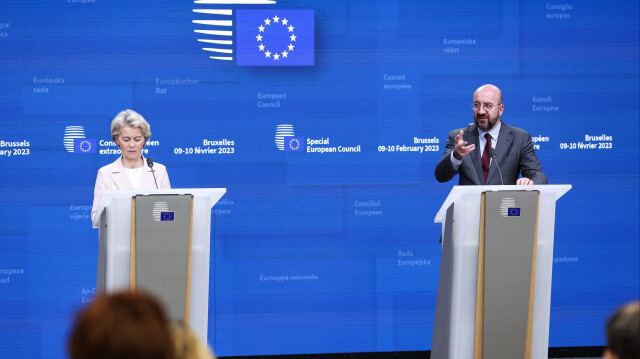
<point x="484" y="98"/>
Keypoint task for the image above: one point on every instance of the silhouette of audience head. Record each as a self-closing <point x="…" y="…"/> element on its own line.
<point x="623" y="333"/>
<point x="122" y="325"/>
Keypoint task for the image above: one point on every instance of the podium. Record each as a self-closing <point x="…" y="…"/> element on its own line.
<point x="157" y="240"/>
<point x="494" y="290"/>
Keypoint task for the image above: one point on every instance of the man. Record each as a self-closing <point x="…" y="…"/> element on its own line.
<point x="623" y="333"/>
<point x="467" y="151"/>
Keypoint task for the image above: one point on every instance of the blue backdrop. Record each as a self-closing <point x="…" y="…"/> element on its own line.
<point x="310" y="247"/>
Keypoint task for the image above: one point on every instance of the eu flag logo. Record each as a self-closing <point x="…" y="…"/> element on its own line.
<point x="514" y="212"/>
<point x="275" y="38"/>
<point x="84" y="145"/>
<point x="293" y="143"/>
<point x="166" y="216"/>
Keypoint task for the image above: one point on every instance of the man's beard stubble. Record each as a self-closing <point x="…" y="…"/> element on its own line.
<point x="490" y="124"/>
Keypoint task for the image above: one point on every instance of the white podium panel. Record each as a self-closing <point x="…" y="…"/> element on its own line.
<point x="113" y="218"/>
<point x="457" y="312"/>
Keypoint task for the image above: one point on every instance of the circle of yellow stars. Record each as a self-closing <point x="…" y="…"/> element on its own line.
<point x="276" y="55"/>
<point x="294" y="144"/>
<point x="85" y="146"/>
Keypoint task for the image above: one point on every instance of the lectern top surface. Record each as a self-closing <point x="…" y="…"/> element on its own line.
<point x="459" y="191"/>
<point x="212" y="195"/>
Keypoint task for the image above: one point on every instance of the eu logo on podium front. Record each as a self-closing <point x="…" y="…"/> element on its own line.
<point x="514" y="212"/>
<point x="167" y="216"/>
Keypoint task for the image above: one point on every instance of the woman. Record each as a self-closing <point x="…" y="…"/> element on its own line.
<point x="130" y="132"/>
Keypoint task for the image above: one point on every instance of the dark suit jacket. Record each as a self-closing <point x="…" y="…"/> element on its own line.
<point x="514" y="154"/>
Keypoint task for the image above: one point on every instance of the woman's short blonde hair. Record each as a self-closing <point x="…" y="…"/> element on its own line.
<point x="132" y="119"/>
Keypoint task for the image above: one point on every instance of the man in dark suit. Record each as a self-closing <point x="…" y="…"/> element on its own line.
<point x="514" y="152"/>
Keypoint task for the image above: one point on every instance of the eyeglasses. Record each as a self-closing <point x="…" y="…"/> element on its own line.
<point x="487" y="106"/>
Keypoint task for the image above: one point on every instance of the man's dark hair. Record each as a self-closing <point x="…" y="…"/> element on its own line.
<point x="623" y="331"/>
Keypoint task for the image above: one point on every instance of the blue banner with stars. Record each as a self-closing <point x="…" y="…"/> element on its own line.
<point x="84" y="145"/>
<point x="293" y="143"/>
<point x="275" y="38"/>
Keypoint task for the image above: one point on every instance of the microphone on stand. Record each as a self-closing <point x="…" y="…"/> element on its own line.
<point x="150" y="164"/>
<point x="492" y="153"/>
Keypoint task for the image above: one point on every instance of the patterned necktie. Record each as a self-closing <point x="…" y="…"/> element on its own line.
<point x="486" y="157"/>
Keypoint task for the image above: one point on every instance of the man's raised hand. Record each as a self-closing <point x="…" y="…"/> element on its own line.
<point x="461" y="149"/>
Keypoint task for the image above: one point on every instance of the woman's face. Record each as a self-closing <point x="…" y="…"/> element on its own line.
<point x="131" y="141"/>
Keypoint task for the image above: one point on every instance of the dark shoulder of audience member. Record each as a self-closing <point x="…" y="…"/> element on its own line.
<point x="623" y="333"/>
<point x="122" y="326"/>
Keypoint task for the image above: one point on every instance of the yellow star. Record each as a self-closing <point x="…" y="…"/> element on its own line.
<point x="293" y="37"/>
<point x="261" y="47"/>
<point x="291" y="47"/>
<point x="261" y="28"/>
<point x="276" y="56"/>
<point x="284" y="54"/>
<point x="267" y="21"/>
<point x="267" y="54"/>
<point x="276" y="18"/>
<point x="290" y="28"/>
<point x="259" y="37"/>
<point x="285" y="21"/>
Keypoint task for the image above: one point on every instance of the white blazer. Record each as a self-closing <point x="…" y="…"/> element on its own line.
<point x="114" y="176"/>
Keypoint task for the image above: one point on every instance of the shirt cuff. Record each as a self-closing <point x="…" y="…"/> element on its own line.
<point x="455" y="162"/>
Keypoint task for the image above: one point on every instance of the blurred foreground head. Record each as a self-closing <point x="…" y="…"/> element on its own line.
<point x="187" y="344"/>
<point x="623" y="333"/>
<point x="122" y="326"/>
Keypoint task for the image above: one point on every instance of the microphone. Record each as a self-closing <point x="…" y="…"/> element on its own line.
<point x="150" y="164"/>
<point x="492" y="153"/>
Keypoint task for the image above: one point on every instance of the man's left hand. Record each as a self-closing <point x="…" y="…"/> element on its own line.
<point x="524" y="181"/>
